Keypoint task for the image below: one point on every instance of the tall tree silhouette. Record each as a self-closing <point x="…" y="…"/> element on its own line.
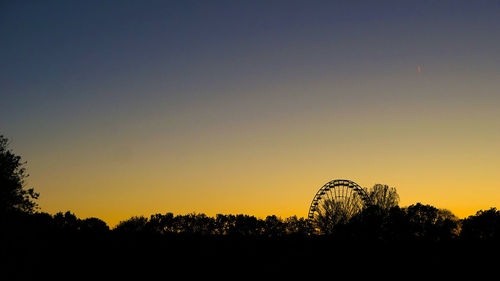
<point x="14" y="196"/>
<point x="383" y="196"/>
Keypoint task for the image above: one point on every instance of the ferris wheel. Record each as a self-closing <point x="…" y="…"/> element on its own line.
<point x="338" y="199"/>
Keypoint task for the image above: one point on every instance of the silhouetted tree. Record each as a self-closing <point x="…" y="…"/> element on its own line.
<point x="396" y="225"/>
<point x="93" y="225"/>
<point x="383" y="196"/>
<point x="274" y="226"/>
<point x="134" y="224"/>
<point x="429" y="223"/>
<point x="194" y="224"/>
<point x="14" y="196"/>
<point x="417" y="222"/>
<point x="221" y="224"/>
<point x="245" y="225"/>
<point x="66" y="222"/>
<point x="448" y="225"/>
<point x="162" y="223"/>
<point x="367" y="224"/>
<point x="41" y="221"/>
<point x="332" y="214"/>
<point x="296" y="226"/>
<point x="485" y="225"/>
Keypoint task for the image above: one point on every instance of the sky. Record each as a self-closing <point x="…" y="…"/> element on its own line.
<point x="125" y="108"/>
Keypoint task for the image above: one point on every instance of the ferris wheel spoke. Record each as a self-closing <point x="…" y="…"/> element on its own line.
<point x="328" y="194"/>
<point x="336" y="202"/>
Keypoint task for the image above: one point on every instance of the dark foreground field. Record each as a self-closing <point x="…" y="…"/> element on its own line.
<point x="152" y="257"/>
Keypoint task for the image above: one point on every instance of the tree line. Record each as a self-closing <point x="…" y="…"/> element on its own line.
<point x="416" y="222"/>
<point x="382" y="219"/>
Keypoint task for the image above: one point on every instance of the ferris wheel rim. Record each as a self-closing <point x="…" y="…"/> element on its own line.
<point x="332" y="184"/>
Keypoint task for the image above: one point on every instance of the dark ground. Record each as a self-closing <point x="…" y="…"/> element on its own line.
<point x="152" y="257"/>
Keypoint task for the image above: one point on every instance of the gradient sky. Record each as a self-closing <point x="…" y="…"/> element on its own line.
<point x="128" y="108"/>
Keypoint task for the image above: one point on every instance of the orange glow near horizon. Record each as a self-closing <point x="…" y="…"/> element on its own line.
<point x="273" y="163"/>
<point x="129" y="109"/>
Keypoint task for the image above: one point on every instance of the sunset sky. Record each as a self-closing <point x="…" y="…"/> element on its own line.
<point x="124" y="108"/>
